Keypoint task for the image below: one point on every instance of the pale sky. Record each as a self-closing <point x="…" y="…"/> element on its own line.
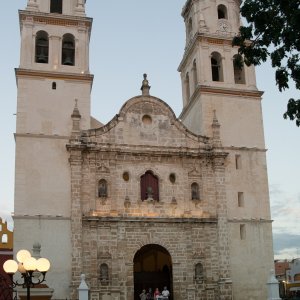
<point x="133" y="37"/>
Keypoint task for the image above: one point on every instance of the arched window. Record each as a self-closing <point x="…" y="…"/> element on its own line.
<point x="41" y="47"/>
<point x="104" y="272"/>
<point x="222" y="12"/>
<point x="199" y="271"/>
<point x="195" y="73"/>
<point x="68" y="50"/>
<point x="195" y="191"/>
<point x="239" y="70"/>
<point x="187" y="86"/>
<point x="149" y="187"/>
<point x="56" y="6"/>
<point x="102" y="188"/>
<point x="216" y="67"/>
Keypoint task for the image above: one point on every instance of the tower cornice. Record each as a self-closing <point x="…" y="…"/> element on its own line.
<point x="204" y="89"/>
<point x="53" y="75"/>
<point x="213" y="39"/>
<point x="55" y="19"/>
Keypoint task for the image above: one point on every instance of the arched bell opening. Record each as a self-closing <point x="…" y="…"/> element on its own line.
<point x="68" y="50"/>
<point x="152" y="269"/>
<point x="41" y="47"/>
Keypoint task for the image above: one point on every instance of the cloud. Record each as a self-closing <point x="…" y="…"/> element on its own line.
<point x="282" y="240"/>
<point x="285" y="210"/>
<point x="287" y="253"/>
<point x="286" y="246"/>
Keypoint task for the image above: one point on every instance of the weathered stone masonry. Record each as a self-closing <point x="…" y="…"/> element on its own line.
<point x="114" y="228"/>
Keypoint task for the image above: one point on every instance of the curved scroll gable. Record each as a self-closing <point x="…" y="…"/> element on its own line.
<point x="137" y="104"/>
<point x="149" y="121"/>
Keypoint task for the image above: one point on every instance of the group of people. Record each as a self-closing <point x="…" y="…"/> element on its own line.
<point x="156" y="295"/>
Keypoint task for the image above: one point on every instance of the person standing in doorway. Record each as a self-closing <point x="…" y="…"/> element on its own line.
<point x="156" y="294"/>
<point x="150" y="294"/>
<point x="165" y="293"/>
<point x="143" y="295"/>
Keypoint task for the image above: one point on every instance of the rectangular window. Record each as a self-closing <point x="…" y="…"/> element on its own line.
<point x="241" y="199"/>
<point x="238" y="162"/>
<point x="243" y="231"/>
<point x="56" y="6"/>
<point x="4" y="239"/>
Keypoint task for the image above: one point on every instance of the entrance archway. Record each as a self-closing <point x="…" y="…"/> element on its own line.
<point x="152" y="269"/>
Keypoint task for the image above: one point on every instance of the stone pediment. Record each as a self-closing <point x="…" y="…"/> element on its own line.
<point x="147" y="121"/>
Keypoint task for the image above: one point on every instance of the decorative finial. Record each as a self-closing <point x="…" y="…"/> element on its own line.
<point x="215" y="120"/>
<point x="145" y="86"/>
<point x="76" y="117"/>
<point x="76" y="113"/>
<point x="216" y="130"/>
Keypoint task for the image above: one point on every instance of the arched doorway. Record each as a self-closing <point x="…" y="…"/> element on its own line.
<point x="152" y="269"/>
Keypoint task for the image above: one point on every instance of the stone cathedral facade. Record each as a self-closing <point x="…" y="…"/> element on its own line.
<point x="148" y="200"/>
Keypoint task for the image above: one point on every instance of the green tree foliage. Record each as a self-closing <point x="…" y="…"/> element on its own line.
<point x="273" y="31"/>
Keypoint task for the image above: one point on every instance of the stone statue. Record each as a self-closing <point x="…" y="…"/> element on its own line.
<point x="149" y="193"/>
<point x="102" y="189"/>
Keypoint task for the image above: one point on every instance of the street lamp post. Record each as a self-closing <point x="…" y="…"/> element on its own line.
<point x="30" y="268"/>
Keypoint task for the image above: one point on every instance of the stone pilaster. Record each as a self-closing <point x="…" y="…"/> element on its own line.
<point x="225" y="283"/>
<point x="76" y="220"/>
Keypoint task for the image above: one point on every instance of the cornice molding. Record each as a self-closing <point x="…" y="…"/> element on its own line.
<point x="205" y="89"/>
<point x="44" y="217"/>
<point x="207" y="152"/>
<point x="248" y="220"/>
<point x="53" y="75"/>
<point x="213" y="39"/>
<point x="42" y="136"/>
<point x="55" y="19"/>
<point x="253" y="149"/>
<point x="102" y="219"/>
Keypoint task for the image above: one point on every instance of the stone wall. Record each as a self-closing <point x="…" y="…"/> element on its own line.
<point x="115" y="241"/>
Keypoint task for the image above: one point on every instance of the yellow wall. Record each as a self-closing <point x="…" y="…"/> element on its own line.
<point x="6" y="236"/>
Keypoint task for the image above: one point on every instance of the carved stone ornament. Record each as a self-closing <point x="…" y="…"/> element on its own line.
<point x="194" y="173"/>
<point x="104" y="255"/>
<point x="103" y="169"/>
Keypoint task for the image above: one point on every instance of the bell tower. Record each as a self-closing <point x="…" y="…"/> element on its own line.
<point x="214" y="87"/>
<point x="53" y="73"/>
<point x="212" y="81"/>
